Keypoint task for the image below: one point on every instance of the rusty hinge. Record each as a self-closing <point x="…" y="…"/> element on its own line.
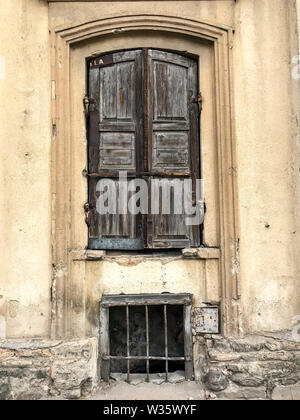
<point x="197" y="100"/>
<point x="87" y="208"/>
<point x="87" y="102"/>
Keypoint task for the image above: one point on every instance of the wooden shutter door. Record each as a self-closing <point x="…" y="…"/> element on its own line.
<point x="115" y="139"/>
<point x="173" y="144"/>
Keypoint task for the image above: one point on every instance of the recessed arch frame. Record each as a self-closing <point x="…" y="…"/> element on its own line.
<point x="62" y="40"/>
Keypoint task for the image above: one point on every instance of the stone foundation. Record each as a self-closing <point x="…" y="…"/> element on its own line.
<point x="255" y="367"/>
<point x="252" y="368"/>
<point x="39" y="369"/>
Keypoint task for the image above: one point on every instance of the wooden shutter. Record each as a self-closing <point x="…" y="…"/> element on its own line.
<point x="115" y="137"/>
<point x="143" y="119"/>
<point x="173" y="121"/>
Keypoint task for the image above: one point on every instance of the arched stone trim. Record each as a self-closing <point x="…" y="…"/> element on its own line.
<point x="62" y="40"/>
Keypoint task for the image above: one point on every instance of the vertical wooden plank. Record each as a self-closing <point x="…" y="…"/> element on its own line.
<point x="108" y="89"/>
<point x="104" y="343"/>
<point x="126" y="79"/>
<point x="93" y="120"/>
<point x="188" y="342"/>
<point x="195" y="112"/>
<point x="149" y="224"/>
<point x="145" y="107"/>
<point x="140" y="138"/>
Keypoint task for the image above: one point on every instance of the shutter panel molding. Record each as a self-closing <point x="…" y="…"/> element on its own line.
<point x="143" y="119"/>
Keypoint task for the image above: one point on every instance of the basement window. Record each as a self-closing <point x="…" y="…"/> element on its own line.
<point x="146" y="334"/>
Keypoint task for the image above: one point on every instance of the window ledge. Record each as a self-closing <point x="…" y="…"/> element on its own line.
<point x="86" y="255"/>
<point x="202" y="253"/>
<point x="187" y="253"/>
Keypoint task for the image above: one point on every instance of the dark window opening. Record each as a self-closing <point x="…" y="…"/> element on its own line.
<point x="146" y="334"/>
<point x="138" y="339"/>
<point x="147" y="253"/>
<point x="143" y="118"/>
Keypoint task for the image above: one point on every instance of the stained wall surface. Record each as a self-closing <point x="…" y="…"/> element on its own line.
<point x="266" y="111"/>
<point x="25" y="275"/>
<point x="268" y="166"/>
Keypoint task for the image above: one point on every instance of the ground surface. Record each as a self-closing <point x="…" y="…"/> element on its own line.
<point x="157" y="389"/>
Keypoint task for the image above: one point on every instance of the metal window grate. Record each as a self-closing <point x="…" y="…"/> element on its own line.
<point x="146" y="301"/>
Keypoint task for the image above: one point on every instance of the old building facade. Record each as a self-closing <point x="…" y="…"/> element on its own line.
<point x="239" y="282"/>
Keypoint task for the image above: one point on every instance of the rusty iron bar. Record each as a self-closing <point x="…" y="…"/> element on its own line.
<point x="166" y="342"/>
<point x="147" y="343"/>
<point x="117" y="304"/>
<point x="108" y="174"/>
<point x="134" y="175"/>
<point x="147" y="299"/>
<point x="162" y="358"/>
<point x="146" y="358"/>
<point x="128" y="343"/>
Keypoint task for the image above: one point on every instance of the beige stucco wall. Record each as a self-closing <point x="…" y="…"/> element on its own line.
<point x="119" y="276"/>
<point x="268" y="172"/>
<point x="266" y="142"/>
<point x="265" y="106"/>
<point x="64" y="14"/>
<point x="296" y="96"/>
<point x="25" y="274"/>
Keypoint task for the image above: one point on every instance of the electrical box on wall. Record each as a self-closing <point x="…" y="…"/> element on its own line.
<point x="207" y="320"/>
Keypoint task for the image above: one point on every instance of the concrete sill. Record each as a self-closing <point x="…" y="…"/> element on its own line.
<point x="202" y="253"/>
<point x="86" y="255"/>
<point x="187" y="253"/>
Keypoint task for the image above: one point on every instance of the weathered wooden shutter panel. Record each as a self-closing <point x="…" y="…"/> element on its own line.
<point x="174" y="143"/>
<point x="115" y="136"/>
<point x="143" y="120"/>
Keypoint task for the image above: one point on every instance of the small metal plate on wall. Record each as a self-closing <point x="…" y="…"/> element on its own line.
<point x="206" y="320"/>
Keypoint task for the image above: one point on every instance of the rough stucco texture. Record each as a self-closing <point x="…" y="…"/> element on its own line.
<point x="24" y="169"/>
<point x="268" y="173"/>
<point x="265" y="124"/>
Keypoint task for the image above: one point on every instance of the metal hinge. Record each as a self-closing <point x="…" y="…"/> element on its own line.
<point x="87" y="208"/>
<point x="198" y="100"/>
<point x="87" y="102"/>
